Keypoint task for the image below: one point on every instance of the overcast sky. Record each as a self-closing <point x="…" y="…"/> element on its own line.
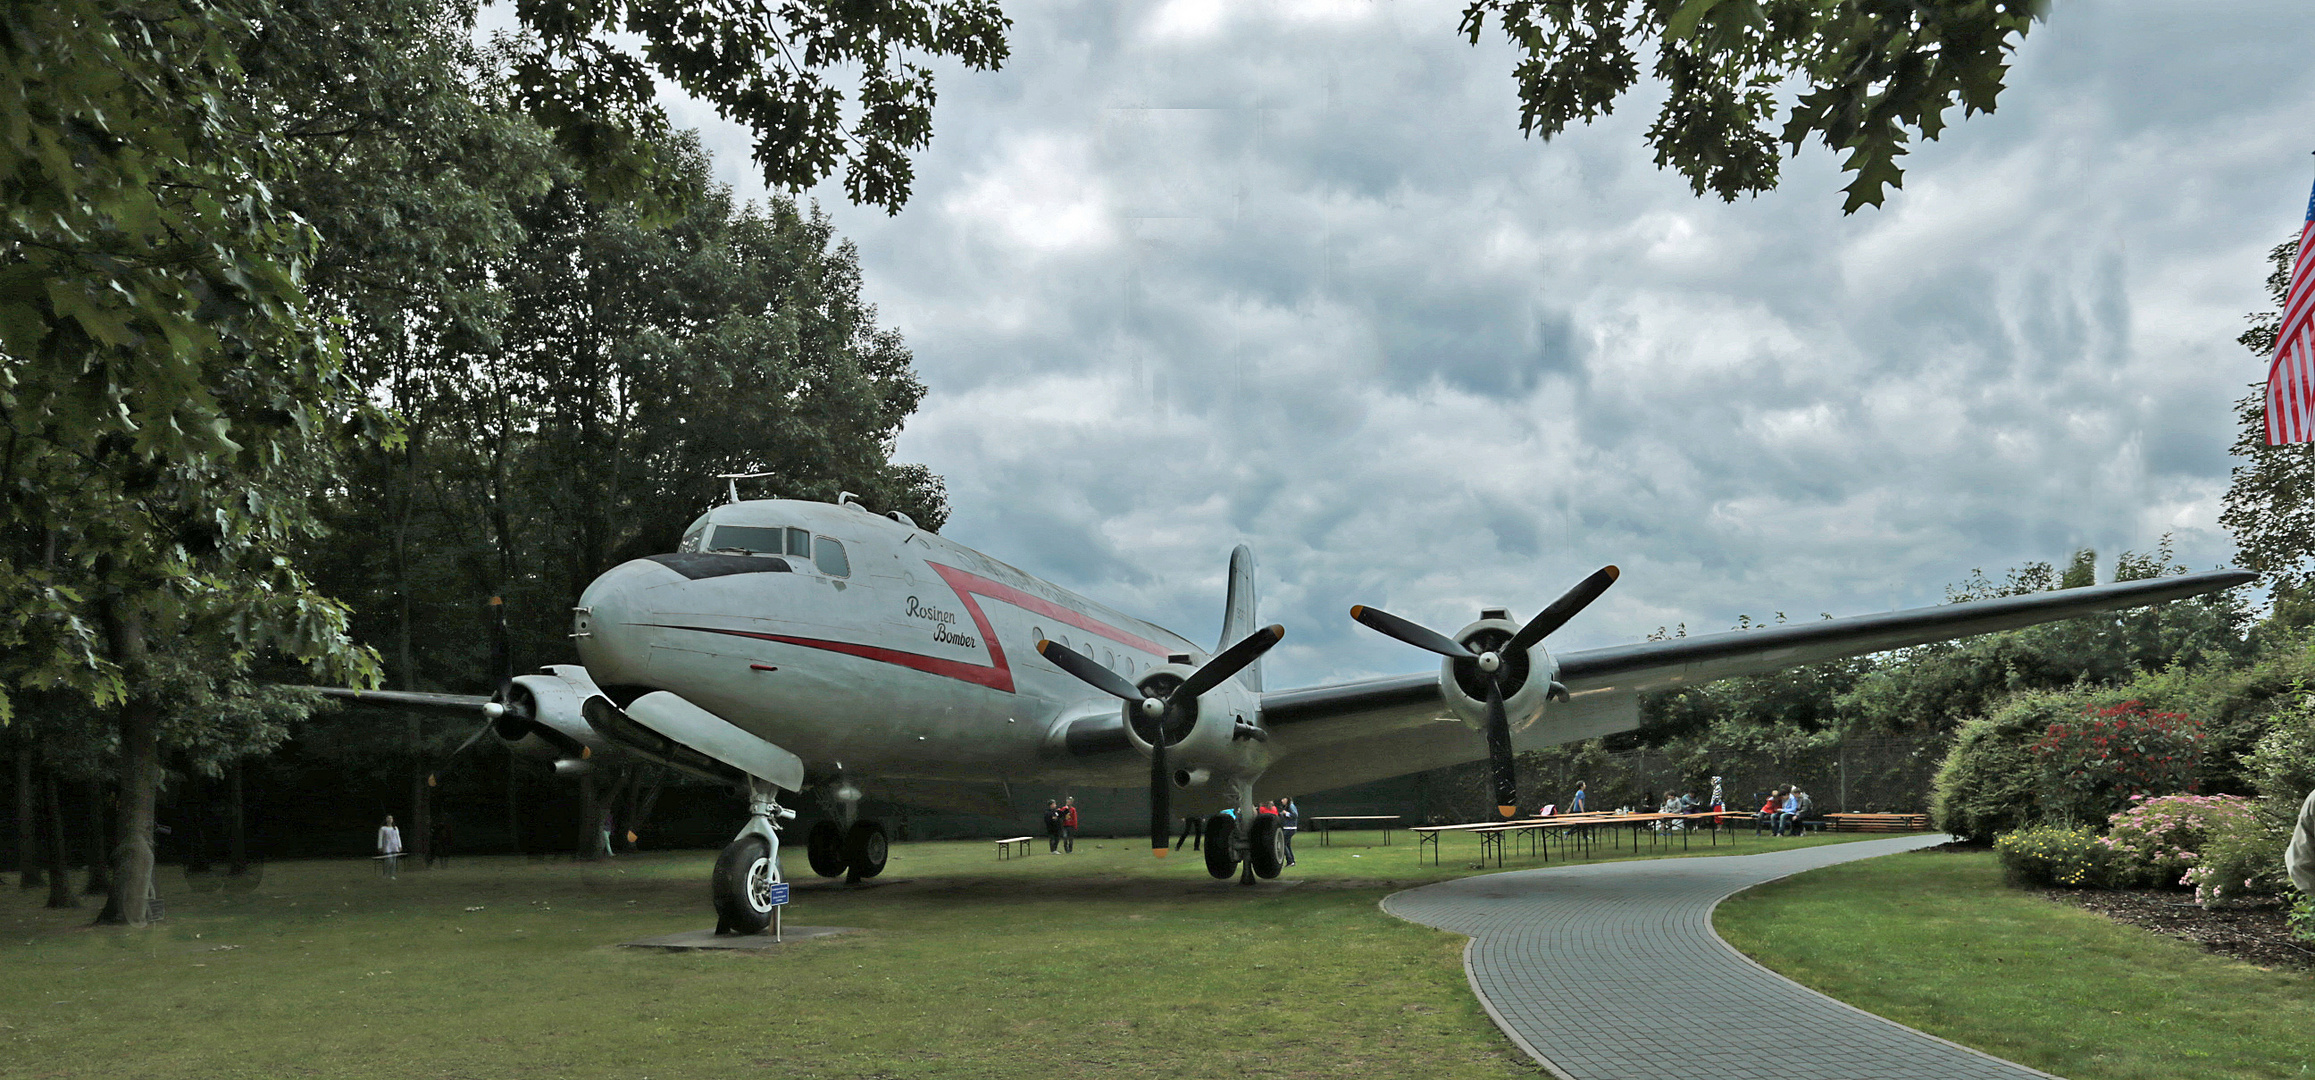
<point x="1190" y="274"/>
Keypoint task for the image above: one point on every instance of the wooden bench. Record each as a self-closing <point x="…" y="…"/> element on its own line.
<point x="1005" y="846"/>
<point x="1877" y="822"/>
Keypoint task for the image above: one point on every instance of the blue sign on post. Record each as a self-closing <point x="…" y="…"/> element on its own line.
<point x="779" y="893"/>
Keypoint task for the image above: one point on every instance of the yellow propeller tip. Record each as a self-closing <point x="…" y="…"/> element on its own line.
<point x="1357" y="610"/>
<point x="1612" y="572"/>
<point x="1506" y="811"/>
<point x="1159" y="852"/>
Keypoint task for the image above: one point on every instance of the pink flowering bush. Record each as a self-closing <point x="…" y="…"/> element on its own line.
<point x="2243" y="858"/>
<point x="2159" y="840"/>
<point x="2089" y="766"/>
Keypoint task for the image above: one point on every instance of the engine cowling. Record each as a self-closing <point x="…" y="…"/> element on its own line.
<point x="1197" y="733"/>
<point x="545" y="716"/>
<point x="1527" y="678"/>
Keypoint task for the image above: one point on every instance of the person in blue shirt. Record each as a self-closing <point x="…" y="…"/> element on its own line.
<point x="1289" y="822"/>
<point x="1575" y="802"/>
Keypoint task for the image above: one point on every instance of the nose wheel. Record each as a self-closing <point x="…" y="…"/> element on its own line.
<point x="744" y="876"/>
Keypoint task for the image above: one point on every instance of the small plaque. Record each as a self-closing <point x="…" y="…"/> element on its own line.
<point x="779" y="893"/>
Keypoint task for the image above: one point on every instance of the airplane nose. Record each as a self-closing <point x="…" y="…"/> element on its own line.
<point x="612" y="619"/>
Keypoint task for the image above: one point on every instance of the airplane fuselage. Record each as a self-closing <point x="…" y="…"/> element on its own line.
<point x="869" y="646"/>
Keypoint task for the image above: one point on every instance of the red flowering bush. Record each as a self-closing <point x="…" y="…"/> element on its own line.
<point x="2089" y="767"/>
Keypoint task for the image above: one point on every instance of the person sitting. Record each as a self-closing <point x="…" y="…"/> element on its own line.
<point x="1788" y="816"/>
<point x="1765" y="817"/>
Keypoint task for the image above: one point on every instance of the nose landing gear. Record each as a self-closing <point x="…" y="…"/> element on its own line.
<point x="747" y="881"/>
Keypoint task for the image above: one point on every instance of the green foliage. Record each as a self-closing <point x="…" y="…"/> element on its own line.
<point x="2161" y="839"/>
<point x="2301" y="918"/>
<point x="1870" y="76"/>
<point x="585" y="72"/>
<point x="1986" y="784"/>
<point x="2281" y="766"/>
<point x="2242" y="858"/>
<point x="2066" y="856"/>
<point x="2091" y="766"/>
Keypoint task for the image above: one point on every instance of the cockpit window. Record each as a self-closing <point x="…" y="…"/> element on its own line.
<point x="692" y="536"/>
<point x="830" y="558"/>
<point x="748" y="538"/>
<point x="800" y="543"/>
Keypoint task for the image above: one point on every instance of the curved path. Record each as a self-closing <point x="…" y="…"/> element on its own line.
<point x="1612" y="972"/>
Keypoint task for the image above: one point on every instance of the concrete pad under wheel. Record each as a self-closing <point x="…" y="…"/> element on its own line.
<point x="696" y="940"/>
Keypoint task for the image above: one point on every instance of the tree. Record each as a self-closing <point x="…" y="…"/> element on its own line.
<point x="1871" y="76"/>
<point x="2270" y="503"/>
<point x="766" y="66"/>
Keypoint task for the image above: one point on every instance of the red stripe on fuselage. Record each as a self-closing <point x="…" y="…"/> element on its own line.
<point x="998" y="673"/>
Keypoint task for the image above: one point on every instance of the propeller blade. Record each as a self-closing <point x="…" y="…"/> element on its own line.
<point x="1419" y="636"/>
<point x="1161" y="810"/>
<point x="1563" y="609"/>
<point x="1499" y="761"/>
<point x="1231" y="661"/>
<point x="478" y="733"/>
<point x="1093" y="674"/>
<point x="501" y="657"/>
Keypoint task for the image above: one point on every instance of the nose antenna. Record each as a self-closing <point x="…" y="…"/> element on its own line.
<point x="732" y="481"/>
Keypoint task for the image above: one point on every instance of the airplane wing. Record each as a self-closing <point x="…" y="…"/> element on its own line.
<point x="1330" y="736"/>
<point x="462" y="704"/>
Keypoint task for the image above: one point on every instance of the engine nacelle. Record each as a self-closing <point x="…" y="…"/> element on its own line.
<point x="545" y="715"/>
<point x="1527" y="678"/>
<point x="1202" y="733"/>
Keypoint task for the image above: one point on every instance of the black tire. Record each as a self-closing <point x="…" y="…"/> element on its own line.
<point x="1220" y="860"/>
<point x="742" y="872"/>
<point x="865" y="848"/>
<point x="824" y="848"/>
<point x="1266" y="849"/>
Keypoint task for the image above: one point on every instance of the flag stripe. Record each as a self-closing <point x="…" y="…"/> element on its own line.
<point x="2291" y="378"/>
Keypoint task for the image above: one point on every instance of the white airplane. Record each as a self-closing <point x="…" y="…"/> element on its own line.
<point x="789" y="646"/>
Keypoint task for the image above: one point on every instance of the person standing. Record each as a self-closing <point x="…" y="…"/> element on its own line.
<point x="389" y="847"/>
<point x="1575" y="802"/>
<point x="1193" y="833"/>
<point x="1052" y="827"/>
<point x="1069" y="825"/>
<point x="1289" y="822"/>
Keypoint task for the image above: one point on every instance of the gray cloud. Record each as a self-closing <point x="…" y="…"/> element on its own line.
<point x="1191" y="274"/>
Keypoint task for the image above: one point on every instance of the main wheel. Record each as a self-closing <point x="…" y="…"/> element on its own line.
<point x="865" y="848"/>
<point x="1220" y="860"/>
<point x="1266" y="849"/>
<point x="824" y="847"/>
<point x="744" y="876"/>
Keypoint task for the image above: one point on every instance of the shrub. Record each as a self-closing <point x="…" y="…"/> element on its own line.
<point x="2159" y="840"/>
<point x="2069" y="856"/>
<point x="2243" y="858"/>
<point x="1986" y="785"/>
<point x="2089" y="766"/>
<point x="2302" y="918"/>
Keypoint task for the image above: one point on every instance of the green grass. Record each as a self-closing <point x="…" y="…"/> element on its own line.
<point x="1936" y="941"/>
<point x="1105" y="962"/>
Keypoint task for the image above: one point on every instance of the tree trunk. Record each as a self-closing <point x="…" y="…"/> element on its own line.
<point x="27" y="836"/>
<point x="514" y="801"/>
<point x="59" y="875"/>
<point x="140" y="770"/>
<point x="421" y="816"/>
<point x="236" y="840"/>
<point x="100" y="844"/>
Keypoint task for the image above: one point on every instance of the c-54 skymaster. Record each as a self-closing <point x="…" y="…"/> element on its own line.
<point x="788" y="647"/>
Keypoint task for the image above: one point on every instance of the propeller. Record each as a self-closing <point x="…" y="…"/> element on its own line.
<point x="1490" y="663"/>
<point x="502" y="666"/>
<point x="1166" y="702"/>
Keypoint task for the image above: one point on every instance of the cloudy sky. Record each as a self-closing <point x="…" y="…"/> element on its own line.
<point x="1193" y="273"/>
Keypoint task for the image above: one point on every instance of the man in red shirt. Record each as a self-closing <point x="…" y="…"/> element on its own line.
<point x="1069" y="825"/>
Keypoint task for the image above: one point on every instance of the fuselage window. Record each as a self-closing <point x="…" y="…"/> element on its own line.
<point x="800" y="543"/>
<point x="831" y="558"/>
<point x="747" y="538"/>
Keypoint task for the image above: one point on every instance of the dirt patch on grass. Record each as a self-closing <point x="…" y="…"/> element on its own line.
<point x="2255" y="934"/>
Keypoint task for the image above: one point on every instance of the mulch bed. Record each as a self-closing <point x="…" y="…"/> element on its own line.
<point x="2253" y="934"/>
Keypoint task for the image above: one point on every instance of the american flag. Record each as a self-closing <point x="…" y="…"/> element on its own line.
<point x="2291" y="380"/>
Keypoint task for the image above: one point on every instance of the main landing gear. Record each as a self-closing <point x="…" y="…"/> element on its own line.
<point x="1263" y="848"/>
<point x="856" y="853"/>
<point x="750" y="866"/>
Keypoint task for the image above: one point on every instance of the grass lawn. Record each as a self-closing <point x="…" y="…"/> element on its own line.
<point x="1936" y="941"/>
<point x="1106" y="962"/>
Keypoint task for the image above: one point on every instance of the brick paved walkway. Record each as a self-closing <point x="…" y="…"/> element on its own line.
<point x="1612" y="972"/>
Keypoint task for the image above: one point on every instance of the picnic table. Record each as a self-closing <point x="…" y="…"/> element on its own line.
<point x="1575" y="831"/>
<point x="1326" y="825"/>
<point x="1006" y="847"/>
<point x="1877" y="822"/>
